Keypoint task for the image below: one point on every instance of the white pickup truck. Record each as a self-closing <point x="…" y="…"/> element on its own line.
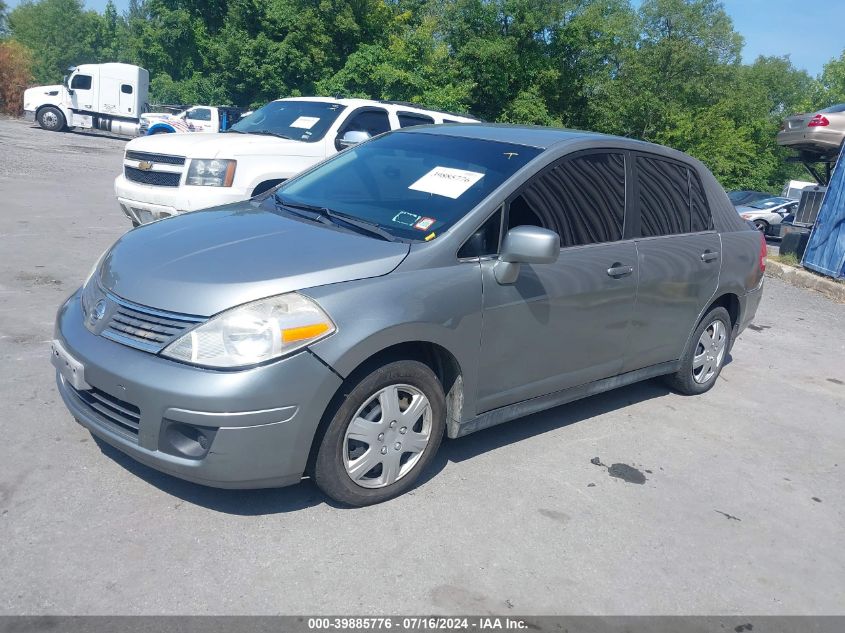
<point x="198" y="118"/>
<point x="167" y="174"/>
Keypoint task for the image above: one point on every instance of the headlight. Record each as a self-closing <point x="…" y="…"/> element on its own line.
<point x="211" y="172"/>
<point x="90" y="287"/>
<point x="253" y="333"/>
<point x="746" y="216"/>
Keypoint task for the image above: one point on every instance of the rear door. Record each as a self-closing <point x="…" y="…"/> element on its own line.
<point x="564" y="324"/>
<point x="678" y="256"/>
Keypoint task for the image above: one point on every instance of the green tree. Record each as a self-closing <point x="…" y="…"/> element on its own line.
<point x="60" y="33"/>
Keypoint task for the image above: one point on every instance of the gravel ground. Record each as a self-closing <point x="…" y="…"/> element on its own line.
<point x="728" y="503"/>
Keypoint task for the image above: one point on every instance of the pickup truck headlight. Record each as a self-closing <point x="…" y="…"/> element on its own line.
<point x="253" y="333"/>
<point x="211" y="172"/>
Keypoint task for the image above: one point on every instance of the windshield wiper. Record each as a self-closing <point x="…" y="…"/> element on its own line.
<point x="326" y="215"/>
<point x="269" y="133"/>
<point x="234" y="131"/>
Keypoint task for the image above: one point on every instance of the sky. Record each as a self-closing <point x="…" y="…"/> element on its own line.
<point x="810" y="33"/>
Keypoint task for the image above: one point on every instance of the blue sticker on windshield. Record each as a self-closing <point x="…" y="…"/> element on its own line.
<point x="408" y="219"/>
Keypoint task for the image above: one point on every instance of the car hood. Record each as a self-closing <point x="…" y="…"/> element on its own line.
<point x="207" y="261"/>
<point x="223" y="145"/>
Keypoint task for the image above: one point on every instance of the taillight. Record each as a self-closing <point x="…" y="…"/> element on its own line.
<point x="763" y="252"/>
<point x="818" y="121"/>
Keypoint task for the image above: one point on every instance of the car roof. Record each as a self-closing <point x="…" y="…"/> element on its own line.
<point x="540" y="137"/>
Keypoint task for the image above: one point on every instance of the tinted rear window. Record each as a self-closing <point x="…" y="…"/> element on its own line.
<point x="671" y="198"/>
<point x="409" y="119"/>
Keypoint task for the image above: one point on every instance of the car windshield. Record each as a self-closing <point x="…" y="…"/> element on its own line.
<point x="768" y="203"/>
<point x="413" y="186"/>
<point x="300" y="120"/>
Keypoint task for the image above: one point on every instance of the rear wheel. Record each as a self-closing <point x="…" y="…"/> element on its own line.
<point x="51" y="119"/>
<point x="383" y="435"/>
<point x="703" y="360"/>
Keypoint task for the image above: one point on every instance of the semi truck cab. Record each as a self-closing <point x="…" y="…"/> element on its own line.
<point x="108" y="97"/>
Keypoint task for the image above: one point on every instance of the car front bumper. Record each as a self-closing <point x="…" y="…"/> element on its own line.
<point x="147" y="203"/>
<point x="258" y="424"/>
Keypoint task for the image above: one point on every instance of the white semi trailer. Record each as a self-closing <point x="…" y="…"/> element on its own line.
<point x="108" y="97"/>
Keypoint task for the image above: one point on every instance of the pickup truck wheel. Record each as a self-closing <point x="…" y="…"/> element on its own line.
<point x="383" y="435"/>
<point x="703" y="360"/>
<point x="51" y="119"/>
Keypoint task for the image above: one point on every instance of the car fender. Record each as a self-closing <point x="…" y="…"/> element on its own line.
<point x="251" y="171"/>
<point x="440" y="306"/>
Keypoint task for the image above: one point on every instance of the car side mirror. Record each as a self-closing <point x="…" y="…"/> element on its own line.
<point x="352" y="137"/>
<point x="525" y="245"/>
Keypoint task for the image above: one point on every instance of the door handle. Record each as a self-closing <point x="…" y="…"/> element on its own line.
<point x="617" y="270"/>
<point x="709" y="256"/>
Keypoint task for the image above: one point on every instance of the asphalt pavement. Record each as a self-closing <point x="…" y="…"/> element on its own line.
<point x="727" y="503"/>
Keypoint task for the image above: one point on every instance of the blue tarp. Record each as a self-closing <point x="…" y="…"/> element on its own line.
<point x="826" y="248"/>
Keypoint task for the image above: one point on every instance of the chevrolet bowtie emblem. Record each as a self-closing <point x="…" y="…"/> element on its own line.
<point x="145" y="165"/>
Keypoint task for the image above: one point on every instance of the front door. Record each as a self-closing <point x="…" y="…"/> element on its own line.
<point x="564" y="324"/>
<point x="84" y="87"/>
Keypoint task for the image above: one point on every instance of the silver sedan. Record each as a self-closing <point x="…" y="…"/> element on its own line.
<point x="768" y="213"/>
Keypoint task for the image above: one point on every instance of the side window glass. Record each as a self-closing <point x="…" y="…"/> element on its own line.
<point x="582" y="199"/>
<point x="373" y="122"/>
<point x="199" y="114"/>
<point x="485" y="241"/>
<point x="81" y="82"/>
<point x="700" y="217"/>
<point x="409" y="119"/>
<point x="126" y="89"/>
<point x="664" y="197"/>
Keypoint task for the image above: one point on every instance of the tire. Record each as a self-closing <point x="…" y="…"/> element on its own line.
<point x="361" y="436"/>
<point x="693" y="377"/>
<point x="51" y="119"/>
<point x="762" y="226"/>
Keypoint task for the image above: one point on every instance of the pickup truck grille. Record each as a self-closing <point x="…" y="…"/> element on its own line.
<point x="164" y="159"/>
<point x="155" y="178"/>
<point x="144" y="328"/>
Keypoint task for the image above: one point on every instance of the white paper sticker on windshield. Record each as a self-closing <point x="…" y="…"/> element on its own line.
<point x="305" y="122"/>
<point x="446" y="181"/>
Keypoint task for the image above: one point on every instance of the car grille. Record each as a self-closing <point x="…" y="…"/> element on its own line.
<point x="164" y="159"/>
<point x="121" y="416"/>
<point x="144" y="328"/>
<point x="156" y="178"/>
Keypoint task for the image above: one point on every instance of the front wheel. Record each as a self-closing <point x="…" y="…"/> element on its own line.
<point x="383" y="435"/>
<point x="51" y="119"/>
<point x="703" y="360"/>
<point x="762" y="226"/>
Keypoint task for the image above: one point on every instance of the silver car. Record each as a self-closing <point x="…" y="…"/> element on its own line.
<point x="767" y="214"/>
<point x="433" y="281"/>
<point x="820" y="133"/>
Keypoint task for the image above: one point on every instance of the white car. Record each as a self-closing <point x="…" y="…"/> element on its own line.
<point x="168" y="174"/>
<point x="768" y="213"/>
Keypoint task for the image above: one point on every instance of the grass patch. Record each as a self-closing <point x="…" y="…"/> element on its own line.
<point x="788" y="260"/>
